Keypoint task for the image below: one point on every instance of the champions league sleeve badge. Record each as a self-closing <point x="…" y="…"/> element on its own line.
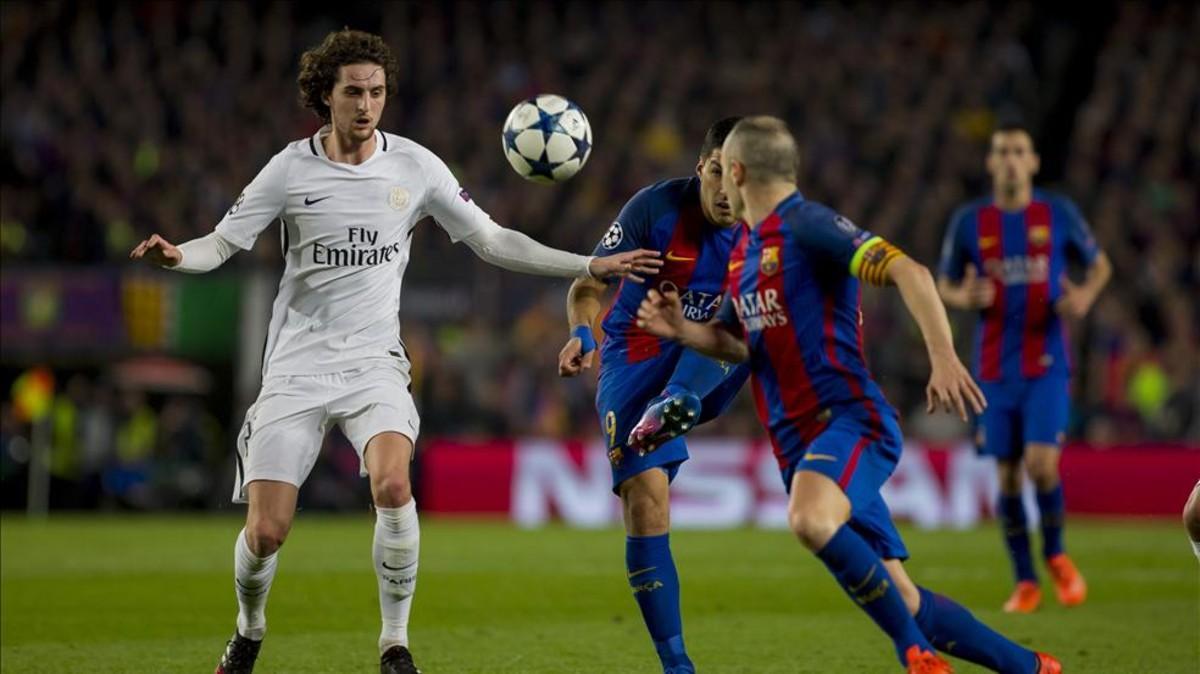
<point x="843" y="223"/>
<point x="612" y="238"/>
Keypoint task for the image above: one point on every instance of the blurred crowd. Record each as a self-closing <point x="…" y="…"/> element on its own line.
<point x="113" y="446"/>
<point x="1134" y="163"/>
<point x="147" y="117"/>
<point x="116" y="446"/>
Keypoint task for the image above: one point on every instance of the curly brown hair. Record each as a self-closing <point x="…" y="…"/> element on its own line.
<point x="319" y="65"/>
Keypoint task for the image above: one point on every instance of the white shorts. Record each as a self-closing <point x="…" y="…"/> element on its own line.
<point x="285" y="427"/>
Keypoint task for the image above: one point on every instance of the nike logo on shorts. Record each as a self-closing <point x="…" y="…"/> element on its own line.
<point x="310" y="202"/>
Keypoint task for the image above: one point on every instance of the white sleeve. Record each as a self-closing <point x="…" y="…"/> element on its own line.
<point x="515" y="251"/>
<point x="257" y="206"/>
<point x="204" y="254"/>
<point x="463" y="220"/>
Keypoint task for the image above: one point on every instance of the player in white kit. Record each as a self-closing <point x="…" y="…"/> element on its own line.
<point x="348" y="199"/>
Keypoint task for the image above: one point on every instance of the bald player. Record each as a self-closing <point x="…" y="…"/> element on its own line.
<point x="794" y="315"/>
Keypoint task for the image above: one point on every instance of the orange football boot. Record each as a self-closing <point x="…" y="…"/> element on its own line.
<point x="1048" y="664"/>
<point x="1068" y="582"/>
<point x="1025" y="598"/>
<point x="925" y="662"/>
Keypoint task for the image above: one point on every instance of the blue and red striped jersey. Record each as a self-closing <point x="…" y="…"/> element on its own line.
<point x="794" y="286"/>
<point x="1025" y="254"/>
<point x="667" y="217"/>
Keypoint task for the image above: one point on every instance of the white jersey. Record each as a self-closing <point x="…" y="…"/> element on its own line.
<point x="346" y="235"/>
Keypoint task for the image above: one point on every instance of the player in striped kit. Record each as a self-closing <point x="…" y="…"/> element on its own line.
<point x="690" y="219"/>
<point x="793" y="313"/>
<point x="1006" y="257"/>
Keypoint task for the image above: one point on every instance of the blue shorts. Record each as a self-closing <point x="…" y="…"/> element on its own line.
<point x="624" y="392"/>
<point x="1021" y="412"/>
<point x="860" y="456"/>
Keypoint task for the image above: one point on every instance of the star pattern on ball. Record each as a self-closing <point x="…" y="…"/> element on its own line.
<point x="549" y="124"/>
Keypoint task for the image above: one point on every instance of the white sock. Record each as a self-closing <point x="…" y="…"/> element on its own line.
<point x="1196" y="548"/>
<point x="397" y="540"/>
<point x="252" y="576"/>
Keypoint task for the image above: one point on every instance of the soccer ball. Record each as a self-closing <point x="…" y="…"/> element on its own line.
<point x="547" y="139"/>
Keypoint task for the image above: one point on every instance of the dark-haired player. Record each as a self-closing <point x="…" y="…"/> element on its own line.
<point x="793" y="313"/>
<point x="690" y="219"/>
<point x="348" y="199"/>
<point x="1006" y="256"/>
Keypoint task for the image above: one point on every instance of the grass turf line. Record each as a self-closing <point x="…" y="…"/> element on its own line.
<point x="154" y="594"/>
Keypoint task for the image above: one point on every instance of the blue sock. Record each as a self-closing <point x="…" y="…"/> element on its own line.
<point x="860" y="572"/>
<point x="696" y="373"/>
<point x="1011" y="512"/>
<point x="1052" y="509"/>
<point x="655" y="586"/>
<point x="952" y="629"/>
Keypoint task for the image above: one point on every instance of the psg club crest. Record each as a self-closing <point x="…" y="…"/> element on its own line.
<point x="770" y="261"/>
<point x="398" y="198"/>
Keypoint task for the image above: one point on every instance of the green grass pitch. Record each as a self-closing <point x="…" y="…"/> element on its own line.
<point x="141" y="594"/>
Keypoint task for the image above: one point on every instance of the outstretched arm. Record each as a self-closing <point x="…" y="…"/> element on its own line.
<point x="515" y="251"/>
<point x="454" y="210"/>
<point x="950" y="385"/>
<point x="661" y="314"/>
<point x="256" y="207"/>
<point x="194" y="257"/>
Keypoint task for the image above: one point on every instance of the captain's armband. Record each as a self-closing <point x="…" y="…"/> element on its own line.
<point x="871" y="260"/>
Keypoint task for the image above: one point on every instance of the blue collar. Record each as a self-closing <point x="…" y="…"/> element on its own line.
<point x="788" y="203"/>
<point x="784" y="206"/>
